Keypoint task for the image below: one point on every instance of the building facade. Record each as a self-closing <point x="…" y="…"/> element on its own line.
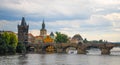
<point x="43" y="37"/>
<point x="31" y="38"/>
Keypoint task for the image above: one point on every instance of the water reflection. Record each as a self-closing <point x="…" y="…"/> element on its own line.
<point x="22" y="60"/>
<point x="61" y="59"/>
<point x="8" y="60"/>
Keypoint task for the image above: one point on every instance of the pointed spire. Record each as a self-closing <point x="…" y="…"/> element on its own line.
<point x="43" y="25"/>
<point x="23" y="22"/>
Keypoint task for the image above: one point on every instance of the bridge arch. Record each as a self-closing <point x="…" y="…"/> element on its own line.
<point x="93" y="50"/>
<point x="33" y="48"/>
<point x="30" y="49"/>
<point x="67" y="48"/>
<point x="48" y="49"/>
<point x="90" y="47"/>
<point x="115" y="50"/>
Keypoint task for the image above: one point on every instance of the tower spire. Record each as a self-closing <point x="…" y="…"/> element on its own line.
<point x="43" y="25"/>
<point x="23" y="22"/>
<point x="43" y="31"/>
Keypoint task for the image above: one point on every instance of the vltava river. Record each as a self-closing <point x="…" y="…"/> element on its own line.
<point x="62" y="59"/>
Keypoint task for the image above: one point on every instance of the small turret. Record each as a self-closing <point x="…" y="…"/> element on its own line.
<point x="52" y="35"/>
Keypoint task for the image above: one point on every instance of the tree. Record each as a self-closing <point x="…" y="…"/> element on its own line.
<point x="20" y="47"/>
<point x="8" y="43"/>
<point x="101" y="41"/>
<point x="85" y="40"/>
<point x="48" y="39"/>
<point x="61" y="38"/>
<point x="5" y="38"/>
<point x="13" y="40"/>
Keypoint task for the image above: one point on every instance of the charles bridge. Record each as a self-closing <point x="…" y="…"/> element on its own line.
<point x="81" y="48"/>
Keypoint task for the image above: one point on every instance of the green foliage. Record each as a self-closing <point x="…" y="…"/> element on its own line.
<point x="98" y="41"/>
<point x="11" y="49"/>
<point x="20" y="47"/>
<point x="5" y="38"/>
<point x="3" y="49"/>
<point x="13" y="40"/>
<point x="8" y="43"/>
<point x="101" y="41"/>
<point x="61" y="38"/>
<point x="85" y="40"/>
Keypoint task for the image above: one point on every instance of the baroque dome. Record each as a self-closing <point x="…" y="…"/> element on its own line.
<point x="77" y="36"/>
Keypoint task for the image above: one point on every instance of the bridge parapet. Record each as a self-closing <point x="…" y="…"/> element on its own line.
<point x="68" y="44"/>
<point x="116" y="44"/>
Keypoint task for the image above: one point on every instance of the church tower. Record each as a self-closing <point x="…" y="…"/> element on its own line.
<point x="43" y="31"/>
<point x="23" y="31"/>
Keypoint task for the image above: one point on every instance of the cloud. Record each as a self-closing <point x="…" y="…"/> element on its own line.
<point x="56" y="9"/>
<point x="93" y="19"/>
<point x="115" y="20"/>
<point x="113" y="16"/>
<point x="35" y="32"/>
<point x="105" y="2"/>
<point x="8" y="25"/>
<point x="48" y="9"/>
<point x="96" y="23"/>
<point x="111" y="37"/>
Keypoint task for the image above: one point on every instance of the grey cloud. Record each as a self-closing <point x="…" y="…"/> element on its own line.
<point x="89" y="14"/>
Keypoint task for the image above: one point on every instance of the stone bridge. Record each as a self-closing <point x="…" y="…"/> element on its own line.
<point x="81" y="48"/>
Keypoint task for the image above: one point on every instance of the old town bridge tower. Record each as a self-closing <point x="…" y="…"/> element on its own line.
<point x="23" y="31"/>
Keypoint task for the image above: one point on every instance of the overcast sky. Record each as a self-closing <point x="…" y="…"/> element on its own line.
<point x="92" y="19"/>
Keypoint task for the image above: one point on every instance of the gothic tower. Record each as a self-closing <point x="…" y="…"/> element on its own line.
<point x="43" y="31"/>
<point x="23" y="31"/>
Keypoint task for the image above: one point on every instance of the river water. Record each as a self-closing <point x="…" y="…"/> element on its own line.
<point x="92" y="58"/>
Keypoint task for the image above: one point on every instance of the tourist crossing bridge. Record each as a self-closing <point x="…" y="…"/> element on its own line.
<point x="62" y="47"/>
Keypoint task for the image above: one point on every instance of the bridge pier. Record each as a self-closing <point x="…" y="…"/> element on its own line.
<point x="81" y="50"/>
<point x="59" y="50"/>
<point x="105" y="51"/>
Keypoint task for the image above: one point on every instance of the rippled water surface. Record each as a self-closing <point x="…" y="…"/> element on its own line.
<point x="62" y="59"/>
